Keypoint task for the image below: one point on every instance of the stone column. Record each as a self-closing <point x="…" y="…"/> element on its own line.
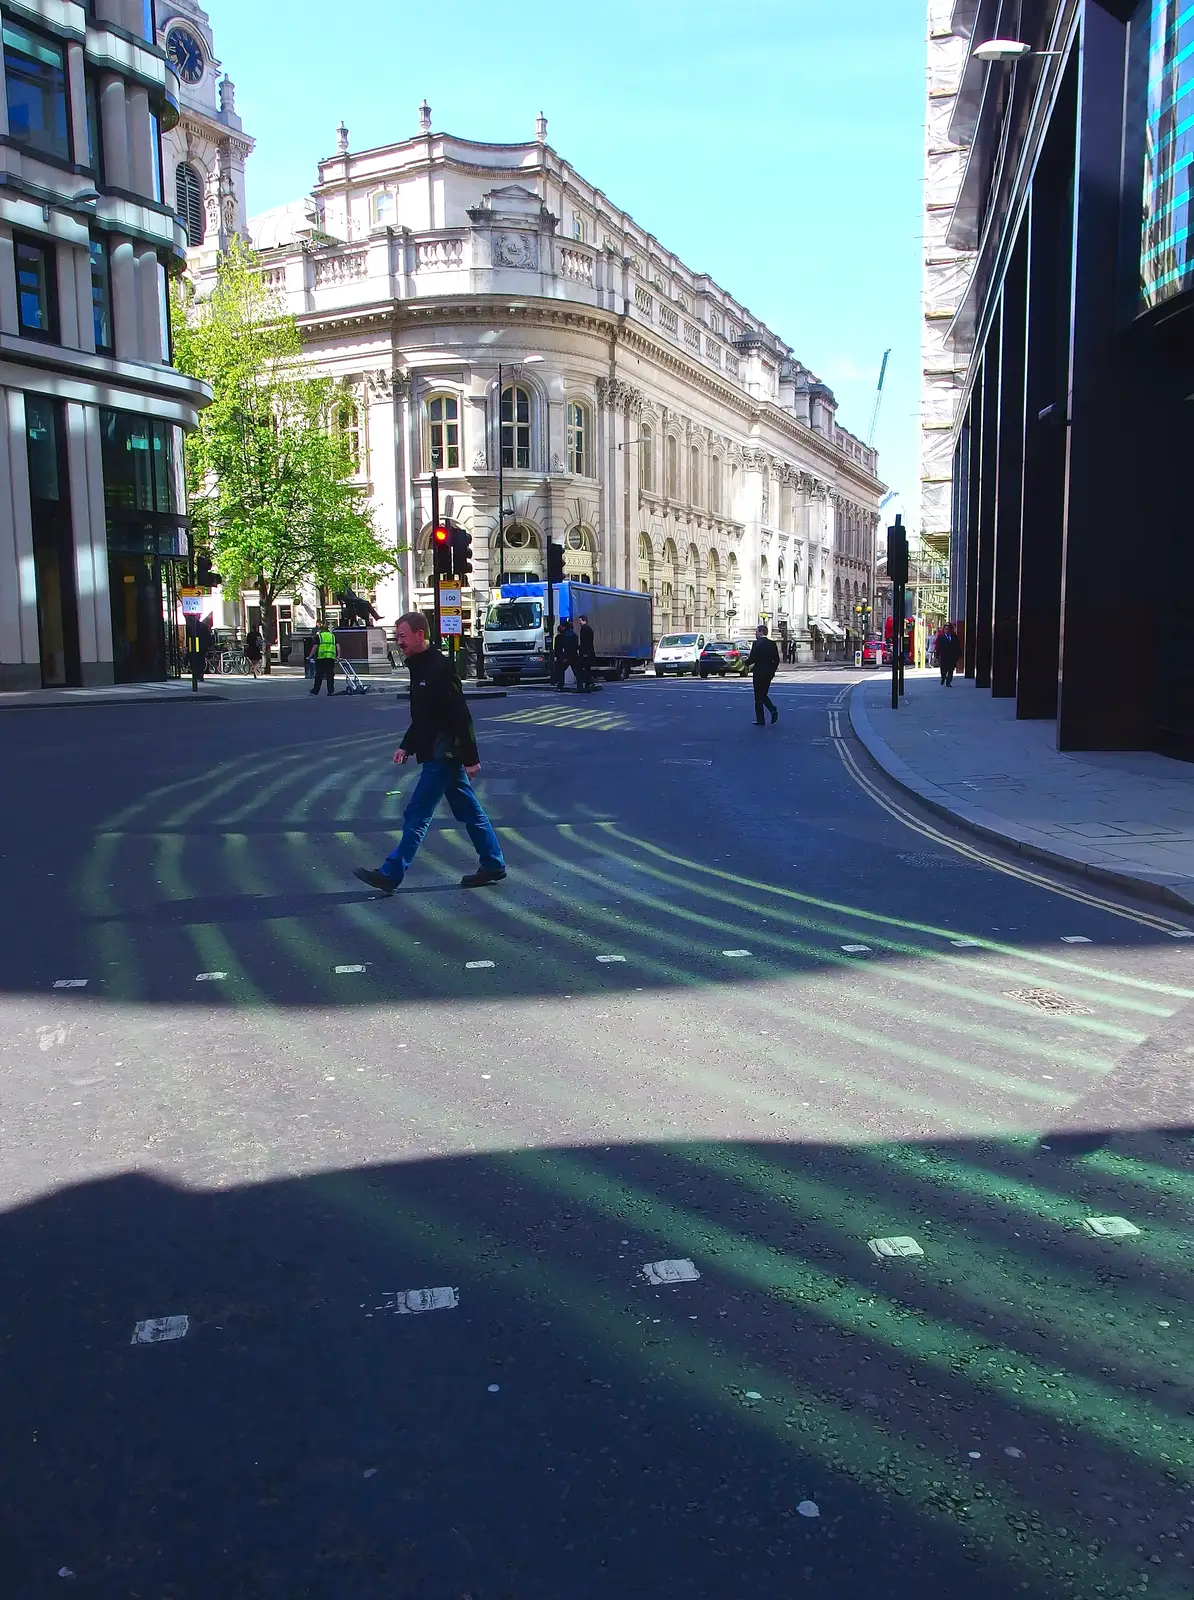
<point x="149" y="321"/>
<point x="126" y="336"/>
<point x="141" y="152"/>
<point x="20" y="652"/>
<point x="115" y="132"/>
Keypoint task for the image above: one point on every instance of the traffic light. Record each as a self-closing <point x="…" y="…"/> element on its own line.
<point x="441" y="545"/>
<point x="205" y="576"/>
<point x="897" y="552"/>
<point x="462" y="554"/>
<point x="555" y="562"/>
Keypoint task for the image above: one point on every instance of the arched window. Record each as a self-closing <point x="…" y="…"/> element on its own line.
<point x="188" y="201"/>
<point x="578" y="441"/>
<point x="673" y="468"/>
<point x="715" y="484"/>
<point x="694" y="476"/>
<point x="516" y="428"/>
<point x="647" y="458"/>
<point x="580" y="555"/>
<point x="443" y="433"/>
<point x="346" y="426"/>
<point x="645" y="558"/>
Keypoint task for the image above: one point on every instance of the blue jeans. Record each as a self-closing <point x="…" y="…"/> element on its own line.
<point x="437" y="779"/>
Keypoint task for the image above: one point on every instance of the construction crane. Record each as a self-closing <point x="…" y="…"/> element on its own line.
<point x="870" y="433"/>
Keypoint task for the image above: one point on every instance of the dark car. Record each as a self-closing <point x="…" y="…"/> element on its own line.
<point x="721" y="656"/>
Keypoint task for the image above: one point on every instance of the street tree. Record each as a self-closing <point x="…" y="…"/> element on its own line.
<point x="270" y="469"/>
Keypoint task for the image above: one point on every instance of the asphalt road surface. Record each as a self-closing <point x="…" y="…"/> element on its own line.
<point x="735" y="1016"/>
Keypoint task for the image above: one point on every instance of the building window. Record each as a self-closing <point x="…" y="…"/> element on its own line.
<point x="443" y="433"/>
<point x="694" y="476"/>
<point x="384" y="211"/>
<point x="647" y="458"/>
<point x="673" y="468"/>
<point x="35" y="79"/>
<point x="36" y="299"/>
<point x="188" y="201"/>
<point x="101" y="294"/>
<point x="95" y="148"/>
<point x="516" y="428"/>
<point x="578" y="228"/>
<point x="578" y="441"/>
<point x="155" y="157"/>
<point x="140" y="457"/>
<point x="347" y="428"/>
<point x="715" y="484"/>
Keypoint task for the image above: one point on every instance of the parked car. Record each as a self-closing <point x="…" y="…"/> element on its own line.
<point x="719" y="657"/>
<point x="679" y="652"/>
<point x="875" y="653"/>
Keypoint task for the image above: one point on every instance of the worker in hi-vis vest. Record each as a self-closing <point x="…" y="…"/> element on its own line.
<point x="325" y="659"/>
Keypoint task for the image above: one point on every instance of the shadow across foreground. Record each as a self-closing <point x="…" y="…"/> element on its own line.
<point x="1009" y="1413"/>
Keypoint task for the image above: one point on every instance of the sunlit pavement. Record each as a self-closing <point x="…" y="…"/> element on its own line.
<point x="907" y="1137"/>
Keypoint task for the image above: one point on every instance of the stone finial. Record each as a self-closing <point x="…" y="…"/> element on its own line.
<point x="342" y="140"/>
<point x="541" y="129"/>
<point x="227" y="96"/>
<point x="424" y="118"/>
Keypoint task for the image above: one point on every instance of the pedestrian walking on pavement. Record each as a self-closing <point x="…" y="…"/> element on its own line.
<point x="948" y="651"/>
<point x="442" y="741"/>
<point x="588" y="655"/>
<point x="763" y="663"/>
<point x="571" y="656"/>
<point x="254" y="650"/>
<point x="324" y="653"/>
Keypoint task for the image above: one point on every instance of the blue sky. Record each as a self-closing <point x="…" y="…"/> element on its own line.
<point x="775" y="144"/>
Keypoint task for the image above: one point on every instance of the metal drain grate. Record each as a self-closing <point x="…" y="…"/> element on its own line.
<point x="1047" y="1000"/>
<point x="922" y="858"/>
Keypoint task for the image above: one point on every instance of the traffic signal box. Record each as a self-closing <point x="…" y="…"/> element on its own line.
<point x="555" y="562"/>
<point x="441" y="547"/>
<point x="462" y="554"/>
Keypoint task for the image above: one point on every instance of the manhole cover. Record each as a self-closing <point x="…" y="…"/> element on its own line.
<point x="1047" y="1000"/>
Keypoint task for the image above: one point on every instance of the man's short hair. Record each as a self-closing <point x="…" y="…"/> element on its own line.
<point x="415" y="621"/>
<point x="584" y="616"/>
<point x="762" y="628"/>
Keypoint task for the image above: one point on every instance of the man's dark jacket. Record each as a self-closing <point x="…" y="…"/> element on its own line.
<point x="588" y="647"/>
<point x="440" y="725"/>
<point x="948" y="650"/>
<point x="763" y="661"/>
<point x="571" y="645"/>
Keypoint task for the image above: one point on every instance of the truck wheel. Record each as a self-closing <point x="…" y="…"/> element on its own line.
<point x="624" y="672"/>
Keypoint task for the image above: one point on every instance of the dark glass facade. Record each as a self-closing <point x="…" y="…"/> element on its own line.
<point x="1167" y="246"/>
<point x="53" y="545"/>
<point x="147" y="541"/>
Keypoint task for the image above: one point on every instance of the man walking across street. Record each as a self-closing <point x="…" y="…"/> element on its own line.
<point x="763" y="663"/>
<point x="571" y="655"/>
<point x="441" y="739"/>
<point x="324" y="653"/>
<point x="588" y="655"/>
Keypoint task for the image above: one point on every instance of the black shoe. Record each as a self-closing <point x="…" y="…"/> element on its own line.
<point x="375" y="880"/>
<point x="759" y="723"/>
<point x="480" y="878"/>
<point x="774" y="718"/>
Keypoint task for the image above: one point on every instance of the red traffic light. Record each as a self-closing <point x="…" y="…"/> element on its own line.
<point x="441" y="535"/>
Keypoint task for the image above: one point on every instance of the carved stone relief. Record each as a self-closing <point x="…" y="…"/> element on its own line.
<point x="516" y="250"/>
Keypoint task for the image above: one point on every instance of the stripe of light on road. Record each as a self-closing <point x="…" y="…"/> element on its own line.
<point x="70" y="983"/>
<point x="210" y="977"/>
<point x="475" y="966"/>
<point x="341" y="970"/>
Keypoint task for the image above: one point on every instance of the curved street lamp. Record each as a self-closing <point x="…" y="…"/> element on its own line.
<point x="1008" y="50"/>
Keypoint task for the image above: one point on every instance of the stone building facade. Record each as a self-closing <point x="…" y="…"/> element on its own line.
<point x="92" y="515"/>
<point x="644" y="418"/>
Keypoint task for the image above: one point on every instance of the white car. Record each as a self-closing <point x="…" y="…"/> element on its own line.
<point x="679" y="652"/>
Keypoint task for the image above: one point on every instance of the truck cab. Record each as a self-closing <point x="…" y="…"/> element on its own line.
<point x="514" y="637"/>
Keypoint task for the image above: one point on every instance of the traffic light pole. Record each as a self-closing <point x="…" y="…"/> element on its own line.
<point x="434" y="550"/>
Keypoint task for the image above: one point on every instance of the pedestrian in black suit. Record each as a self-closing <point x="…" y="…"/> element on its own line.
<point x="588" y="655"/>
<point x="763" y="663"/>
<point x="571" y="655"/>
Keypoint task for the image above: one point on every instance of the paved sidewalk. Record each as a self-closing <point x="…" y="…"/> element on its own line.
<point x="1126" y="817"/>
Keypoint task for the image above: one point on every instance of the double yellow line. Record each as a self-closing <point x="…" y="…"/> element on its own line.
<point x="1144" y="919"/>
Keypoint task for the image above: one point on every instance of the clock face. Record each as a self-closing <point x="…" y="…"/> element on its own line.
<point x="185" y="54"/>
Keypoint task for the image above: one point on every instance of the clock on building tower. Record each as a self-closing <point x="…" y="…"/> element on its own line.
<point x="185" y="54"/>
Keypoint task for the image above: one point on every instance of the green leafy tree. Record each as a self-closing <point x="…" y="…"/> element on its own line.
<point x="269" y="471"/>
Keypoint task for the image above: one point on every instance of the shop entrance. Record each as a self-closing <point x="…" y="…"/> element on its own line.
<point x="143" y="579"/>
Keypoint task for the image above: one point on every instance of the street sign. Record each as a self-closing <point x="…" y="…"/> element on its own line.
<point x="449" y="622"/>
<point x="449" y="597"/>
